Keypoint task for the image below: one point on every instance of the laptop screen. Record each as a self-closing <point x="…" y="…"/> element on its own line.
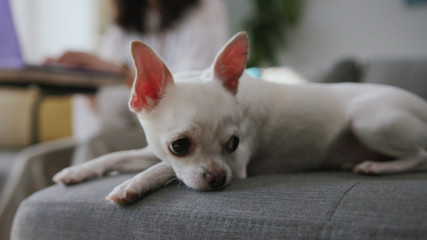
<point x="10" y="53"/>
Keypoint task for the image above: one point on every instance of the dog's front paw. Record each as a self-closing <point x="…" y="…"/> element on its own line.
<point x="125" y="193"/>
<point x="368" y="167"/>
<point x="73" y="175"/>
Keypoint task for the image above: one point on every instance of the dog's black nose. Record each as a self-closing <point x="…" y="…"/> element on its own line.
<point x="216" y="180"/>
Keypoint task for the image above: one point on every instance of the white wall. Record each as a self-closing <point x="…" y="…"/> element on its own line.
<point x="49" y="27"/>
<point x="332" y="29"/>
<point x="238" y="10"/>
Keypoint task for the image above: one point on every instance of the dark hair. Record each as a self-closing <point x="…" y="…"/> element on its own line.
<point x="131" y="14"/>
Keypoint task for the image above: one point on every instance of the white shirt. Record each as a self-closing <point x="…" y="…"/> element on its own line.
<point x="191" y="45"/>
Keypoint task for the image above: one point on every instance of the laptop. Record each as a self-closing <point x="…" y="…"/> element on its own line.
<point x="15" y="71"/>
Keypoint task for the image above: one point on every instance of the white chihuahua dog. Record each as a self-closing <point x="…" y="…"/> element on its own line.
<point x="209" y="126"/>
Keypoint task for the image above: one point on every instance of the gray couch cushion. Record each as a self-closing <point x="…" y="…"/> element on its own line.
<point x="410" y="74"/>
<point x="325" y="205"/>
<point x="343" y="70"/>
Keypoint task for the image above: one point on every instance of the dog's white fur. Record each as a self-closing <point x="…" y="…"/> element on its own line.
<point x="282" y="128"/>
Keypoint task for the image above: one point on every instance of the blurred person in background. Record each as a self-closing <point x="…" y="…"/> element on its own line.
<point x="187" y="34"/>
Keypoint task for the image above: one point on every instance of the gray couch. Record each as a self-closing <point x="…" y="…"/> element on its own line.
<point x="314" y="205"/>
<point x="321" y="205"/>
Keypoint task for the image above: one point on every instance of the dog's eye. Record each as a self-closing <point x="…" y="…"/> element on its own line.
<point x="180" y="146"/>
<point x="233" y="143"/>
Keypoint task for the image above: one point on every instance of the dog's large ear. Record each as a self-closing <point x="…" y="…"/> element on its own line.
<point x="151" y="78"/>
<point x="231" y="61"/>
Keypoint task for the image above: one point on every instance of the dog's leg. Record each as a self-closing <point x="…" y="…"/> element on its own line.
<point x="152" y="178"/>
<point x="240" y="162"/>
<point x="122" y="161"/>
<point x="397" y="134"/>
<point x="417" y="162"/>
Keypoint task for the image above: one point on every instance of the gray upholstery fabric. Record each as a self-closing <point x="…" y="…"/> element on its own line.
<point x="325" y="205"/>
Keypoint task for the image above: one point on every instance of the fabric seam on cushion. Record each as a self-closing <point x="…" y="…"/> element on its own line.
<point x="336" y="208"/>
<point x="341" y="199"/>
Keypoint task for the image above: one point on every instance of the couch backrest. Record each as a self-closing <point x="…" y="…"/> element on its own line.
<point x="409" y="74"/>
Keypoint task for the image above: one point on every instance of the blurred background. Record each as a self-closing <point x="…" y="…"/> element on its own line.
<point x="311" y="31"/>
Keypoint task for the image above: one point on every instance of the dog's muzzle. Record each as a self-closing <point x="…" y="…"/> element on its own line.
<point x="215" y="180"/>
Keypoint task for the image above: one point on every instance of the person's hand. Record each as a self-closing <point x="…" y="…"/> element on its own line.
<point x="88" y="61"/>
<point x="83" y="60"/>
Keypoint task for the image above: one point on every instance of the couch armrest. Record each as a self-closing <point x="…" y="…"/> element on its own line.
<point x="33" y="169"/>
